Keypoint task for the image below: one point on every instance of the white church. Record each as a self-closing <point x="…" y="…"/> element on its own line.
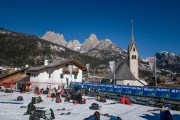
<point x="127" y="73"/>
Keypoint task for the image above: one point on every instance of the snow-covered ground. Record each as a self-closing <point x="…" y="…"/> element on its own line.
<point x="126" y="112"/>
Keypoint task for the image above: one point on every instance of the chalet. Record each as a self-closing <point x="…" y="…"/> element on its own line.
<point x="14" y="79"/>
<point x="57" y="75"/>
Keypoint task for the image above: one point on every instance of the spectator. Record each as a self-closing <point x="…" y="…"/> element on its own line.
<point x="165" y="114"/>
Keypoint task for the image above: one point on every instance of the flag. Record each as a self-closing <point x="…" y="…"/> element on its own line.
<point x="112" y="66"/>
<point x="152" y="63"/>
<point x="87" y="67"/>
<point x="70" y="69"/>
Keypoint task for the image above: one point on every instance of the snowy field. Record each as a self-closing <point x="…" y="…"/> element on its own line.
<point x="126" y="112"/>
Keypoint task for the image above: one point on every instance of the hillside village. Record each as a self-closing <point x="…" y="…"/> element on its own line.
<point x="126" y="62"/>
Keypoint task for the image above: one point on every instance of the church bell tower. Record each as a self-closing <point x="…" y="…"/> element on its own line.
<point x="133" y="55"/>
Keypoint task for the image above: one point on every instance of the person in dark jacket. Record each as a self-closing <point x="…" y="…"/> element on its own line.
<point x="165" y="114"/>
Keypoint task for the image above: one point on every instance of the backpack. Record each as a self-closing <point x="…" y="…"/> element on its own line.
<point x="39" y="99"/>
<point x="98" y="98"/>
<point x="19" y="98"/>
<point x="127" y="101"/>
<point x="97" y="115"/>
<point x="31" y="108"/>
<point x="79" y="98"/>
<point x="53" y="95"/>
<point x="36" y="100"/>
<point x="122" y="100"/>
<point x="33" y="100"/>
<point x="94" y="106"/>
<point x="102" y="99"/>
<point x="38" y="113"/>
<point x="58" y="99"/>
<point x="75" y="102"/>
<point x="83" y="101"/>
<point x="47" y="115"/>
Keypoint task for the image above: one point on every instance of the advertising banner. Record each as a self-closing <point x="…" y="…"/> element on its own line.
<point x="149" y="91"/>
<point x="163" y="92"/>
<point x="102" y="87"/>
<point x="90" y="85"/>
<point x="126" y="89"/>
<point x="95" y="85"/>
<point x="85" y="85"/>
<point x="109" y="87"/>
<point x="79" y="85"/>
<point x="112" y="66"/>
<point x="175" y="93"/>
<point x="71" y="84"/>
<point x="137" y="90"/>
<point x="117" y="88"/>
<point x="152" y="62"/>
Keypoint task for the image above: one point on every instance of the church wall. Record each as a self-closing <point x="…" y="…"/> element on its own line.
<point x="129" y="82"/>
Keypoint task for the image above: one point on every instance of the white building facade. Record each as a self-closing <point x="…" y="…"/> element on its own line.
<point x="56" y="76"/>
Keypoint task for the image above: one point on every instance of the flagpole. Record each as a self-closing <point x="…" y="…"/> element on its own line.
<point x="155" y="70"/>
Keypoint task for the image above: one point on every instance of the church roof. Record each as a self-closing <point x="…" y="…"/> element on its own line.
<point x="122" y="72"/>
<point x="132" y="39"/>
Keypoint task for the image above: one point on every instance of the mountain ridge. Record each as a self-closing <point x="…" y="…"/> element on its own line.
<point x="19" y="49"/>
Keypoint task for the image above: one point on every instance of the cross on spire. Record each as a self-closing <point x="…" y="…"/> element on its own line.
<point x="132" y="34"/>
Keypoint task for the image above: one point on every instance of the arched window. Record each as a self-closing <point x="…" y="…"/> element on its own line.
<point x="134" y="49"/>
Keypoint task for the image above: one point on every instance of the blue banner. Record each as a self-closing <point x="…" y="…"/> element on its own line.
<point x="117" y="88"/>
<point x="149" y="91"/>
<point x="102" y="87"/>
<point x="79" y="85"/>
<point x="71" y="84"/>
<point x="163" y="92"/>
<point x="175" y="93"/>
<point x="95" y="85"/>
<point x="109" y="87"/>
<point x="85" y="85"/>
<point x="75" y="84"/>
<point x="126" y="89"/>
<point x="137" y="90"/>
<point x="90" y="85"/>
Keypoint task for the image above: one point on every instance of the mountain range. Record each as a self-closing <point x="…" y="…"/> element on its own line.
<point x="19" y="49"/>
<point x="101" y="49"/>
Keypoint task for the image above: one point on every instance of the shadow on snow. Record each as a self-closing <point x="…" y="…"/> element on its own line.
<point x="156" y="116"/>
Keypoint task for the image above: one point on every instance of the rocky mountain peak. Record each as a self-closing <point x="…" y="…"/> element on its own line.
<point x="92" y="37"/>
<point x="167" y="58"/>
<point x="90" y="43"/>
<point x="74" y="45"/>
<point x="70" y="45"/>
<point x="55" y="38"/>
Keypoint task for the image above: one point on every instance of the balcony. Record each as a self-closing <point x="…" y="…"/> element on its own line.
<point x="67" y="71"/>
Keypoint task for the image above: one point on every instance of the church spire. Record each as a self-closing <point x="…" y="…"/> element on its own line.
<point x="132" y="34"/>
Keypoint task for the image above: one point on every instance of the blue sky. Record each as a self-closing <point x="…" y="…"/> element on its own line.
<point x="156" y="22"/>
